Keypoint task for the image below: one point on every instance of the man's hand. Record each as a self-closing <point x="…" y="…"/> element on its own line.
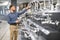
<point x="28" y="7"/>
<point x="17" y="21"/>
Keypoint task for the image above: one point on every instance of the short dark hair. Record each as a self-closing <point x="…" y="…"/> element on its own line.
<point x="10" y="6"/>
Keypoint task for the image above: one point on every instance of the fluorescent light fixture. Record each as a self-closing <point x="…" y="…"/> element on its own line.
<point x="4" y="3"/>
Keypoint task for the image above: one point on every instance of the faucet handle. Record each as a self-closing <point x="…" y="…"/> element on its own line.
<point x="56" y="22"/>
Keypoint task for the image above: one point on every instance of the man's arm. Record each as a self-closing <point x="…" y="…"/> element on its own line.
<point x="22" y="12"/>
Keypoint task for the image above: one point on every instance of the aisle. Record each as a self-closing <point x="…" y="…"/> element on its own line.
<point x="5" y="33"/>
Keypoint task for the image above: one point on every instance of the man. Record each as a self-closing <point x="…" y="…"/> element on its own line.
<point x="13" y="21"/>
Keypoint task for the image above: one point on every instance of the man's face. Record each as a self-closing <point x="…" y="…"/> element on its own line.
<point x="13" y="8"/>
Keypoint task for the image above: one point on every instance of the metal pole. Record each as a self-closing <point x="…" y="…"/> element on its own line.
<point x="52" y="7"/>
<point x="40" y="5"/>
<point x="3" y="11"/>
<point x="57" y="1"/>
<point x="44" y="4"/>
<point x="14" y="2"/>
<point x="52" y="2"/>
<point x="35" y="6"/>
<point x="49" y="4"/>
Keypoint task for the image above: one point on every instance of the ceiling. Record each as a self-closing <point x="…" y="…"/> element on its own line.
<point x="22" y="1"/>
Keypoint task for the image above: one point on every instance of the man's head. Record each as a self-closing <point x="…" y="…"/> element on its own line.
<point x="12" y="8"/>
